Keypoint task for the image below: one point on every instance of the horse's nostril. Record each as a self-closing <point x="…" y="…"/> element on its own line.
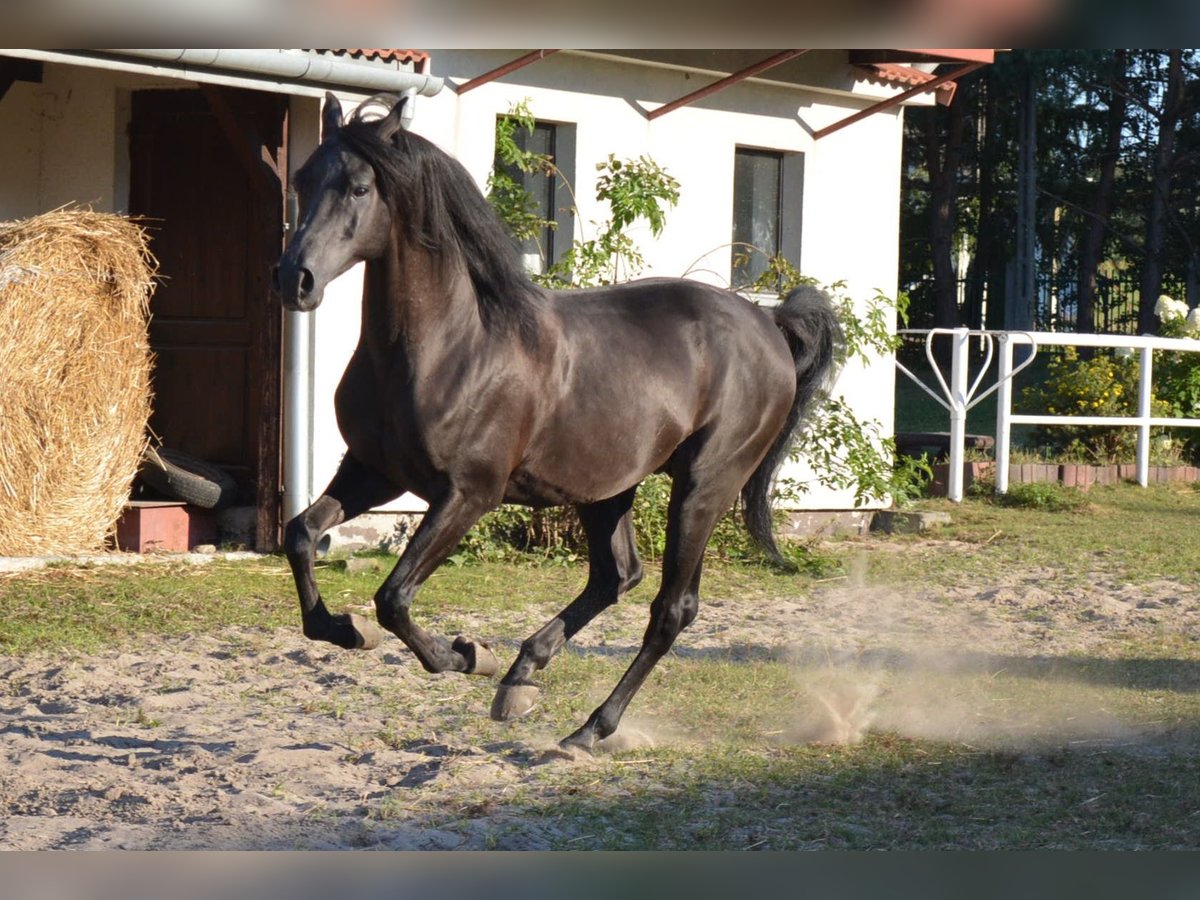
<point x="306" y="281"/>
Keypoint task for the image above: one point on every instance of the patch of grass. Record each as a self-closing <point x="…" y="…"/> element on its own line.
<point x="888" y="793"/>
<point x="1126" y="532"/>
<point x="1028" y="495"/>
<point x="85" y="608"/>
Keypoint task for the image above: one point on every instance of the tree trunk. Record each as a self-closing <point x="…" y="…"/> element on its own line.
<point x="1022" y="280"/>
<point x="986" y="231"/>
<point x="1160" y="186"/>
<point x="1092" y="248"/>
<point x="943" y="210"/>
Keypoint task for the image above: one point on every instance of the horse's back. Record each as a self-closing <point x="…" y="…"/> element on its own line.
<point x="673" y="324"/>
<point x="642" y="367"/>
<point x="667" y="315"/>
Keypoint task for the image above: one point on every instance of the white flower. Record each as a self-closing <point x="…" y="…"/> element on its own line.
<point x="1193" y="320"/>
<point x="1168" y="310"/>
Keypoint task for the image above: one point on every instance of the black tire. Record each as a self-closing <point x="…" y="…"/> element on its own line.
<point x="187" y="478"/>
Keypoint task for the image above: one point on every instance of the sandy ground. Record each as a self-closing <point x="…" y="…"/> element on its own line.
<point x="266" y="741"/>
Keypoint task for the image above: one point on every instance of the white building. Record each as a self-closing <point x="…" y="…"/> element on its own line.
<point x="202" y="141"/>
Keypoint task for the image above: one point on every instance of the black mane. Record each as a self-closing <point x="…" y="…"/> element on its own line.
<point x="436" y="203"/>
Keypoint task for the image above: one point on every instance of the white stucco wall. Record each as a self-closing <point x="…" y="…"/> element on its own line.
<point x="65" y="140"/>
<point x="850" y="199"/>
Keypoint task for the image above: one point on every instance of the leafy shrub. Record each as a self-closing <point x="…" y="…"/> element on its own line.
<point x="1177" y="375"/>
<point x="1045" y="497"/>
<point x="636" y="190"/>
<point x="555" y="536"/>
<point x="1105" y="385"/>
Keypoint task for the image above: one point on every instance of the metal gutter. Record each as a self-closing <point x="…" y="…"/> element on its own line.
<point x="279" y="71"/>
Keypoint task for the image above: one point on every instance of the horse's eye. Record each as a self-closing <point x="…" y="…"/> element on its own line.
<point x="360" y="190"/>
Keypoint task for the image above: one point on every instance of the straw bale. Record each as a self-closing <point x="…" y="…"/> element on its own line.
<point x="75" y="368"/>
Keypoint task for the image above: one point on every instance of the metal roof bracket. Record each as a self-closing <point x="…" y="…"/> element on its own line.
<point x="897" y="99"/>
<point x="728" y="81"/>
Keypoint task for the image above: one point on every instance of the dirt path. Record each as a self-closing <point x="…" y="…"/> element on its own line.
<point x="264" y="740"/>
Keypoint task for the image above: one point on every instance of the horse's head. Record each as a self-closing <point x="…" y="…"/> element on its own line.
<point x="344" y="218"/>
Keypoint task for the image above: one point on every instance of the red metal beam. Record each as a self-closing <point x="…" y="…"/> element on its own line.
<point x="749" y="72"/>
<point x="501" y="71"/>
<point x="898" y="99"/>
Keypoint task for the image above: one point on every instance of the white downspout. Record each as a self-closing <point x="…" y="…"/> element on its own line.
<point x="297" y="413"/>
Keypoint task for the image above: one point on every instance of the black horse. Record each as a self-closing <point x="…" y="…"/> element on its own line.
<point x="471" y="387"/>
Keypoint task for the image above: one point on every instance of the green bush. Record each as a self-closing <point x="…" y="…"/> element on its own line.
<point x="1046" y="497"/>
<point x="1177" y="375"/>
<point x="1105" y="385"/>
<point x="555" y="536"/>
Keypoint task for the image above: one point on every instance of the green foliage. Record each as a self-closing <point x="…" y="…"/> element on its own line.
<point x="555" y="536"/>
<point x="1044" y="497"/>
<point x="1177" y="377"/>
<point x="848" y="452"/>
<point x="911" y="479"/>
<point x="635" y="190"/>
<point x="1105" y="385"/>
<point x="508" y="196"/>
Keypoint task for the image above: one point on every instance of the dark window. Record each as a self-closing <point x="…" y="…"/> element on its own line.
<point x="549" y="195"/>
<point x="767" y="199"/>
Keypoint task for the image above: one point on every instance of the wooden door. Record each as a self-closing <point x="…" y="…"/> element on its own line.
<point x="214" y="212"/>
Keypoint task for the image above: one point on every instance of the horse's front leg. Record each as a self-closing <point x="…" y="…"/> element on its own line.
<point x="353" y="490"/>
<point x="443" y="526"/>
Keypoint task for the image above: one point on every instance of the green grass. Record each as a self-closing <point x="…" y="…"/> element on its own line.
<point x="893" y="794"/>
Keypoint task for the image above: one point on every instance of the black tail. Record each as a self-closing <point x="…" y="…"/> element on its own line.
<point x="810" y="325"/>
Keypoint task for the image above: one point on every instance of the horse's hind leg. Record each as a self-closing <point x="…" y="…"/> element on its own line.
<point x="692" y="515"/>
<point x="353" y="490"/>
<point x="613" y="568"/>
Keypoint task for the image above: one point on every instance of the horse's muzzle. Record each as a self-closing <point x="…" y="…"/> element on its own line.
<point x="295" y="286"/>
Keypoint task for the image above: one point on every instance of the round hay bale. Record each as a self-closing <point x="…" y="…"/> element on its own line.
<point x="75" y="290"/>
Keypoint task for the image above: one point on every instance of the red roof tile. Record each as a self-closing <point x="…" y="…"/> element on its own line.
<point x="387" y="55"/>
<point x="898" y="73"/>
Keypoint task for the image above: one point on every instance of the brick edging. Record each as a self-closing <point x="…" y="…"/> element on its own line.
<point x="1077" y="475"/>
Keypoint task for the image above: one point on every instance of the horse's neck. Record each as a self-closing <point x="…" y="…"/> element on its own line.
<point x="409" y="300"/>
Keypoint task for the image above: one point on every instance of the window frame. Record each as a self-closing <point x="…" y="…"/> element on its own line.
<point x="557" y="240"/>
<point x="789" y="209"/>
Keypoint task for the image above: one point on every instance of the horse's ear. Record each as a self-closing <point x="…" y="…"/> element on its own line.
<point x="331" y="115"/>
<point x="394" y="120"/>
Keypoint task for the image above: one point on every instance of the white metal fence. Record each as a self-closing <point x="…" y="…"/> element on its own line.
<point x="961" y="393"/>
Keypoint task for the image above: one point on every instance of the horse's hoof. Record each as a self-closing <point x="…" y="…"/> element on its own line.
<point x="367" y="636"/>
<point x="513" y="701"/>
<point x="480" y="658"/>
